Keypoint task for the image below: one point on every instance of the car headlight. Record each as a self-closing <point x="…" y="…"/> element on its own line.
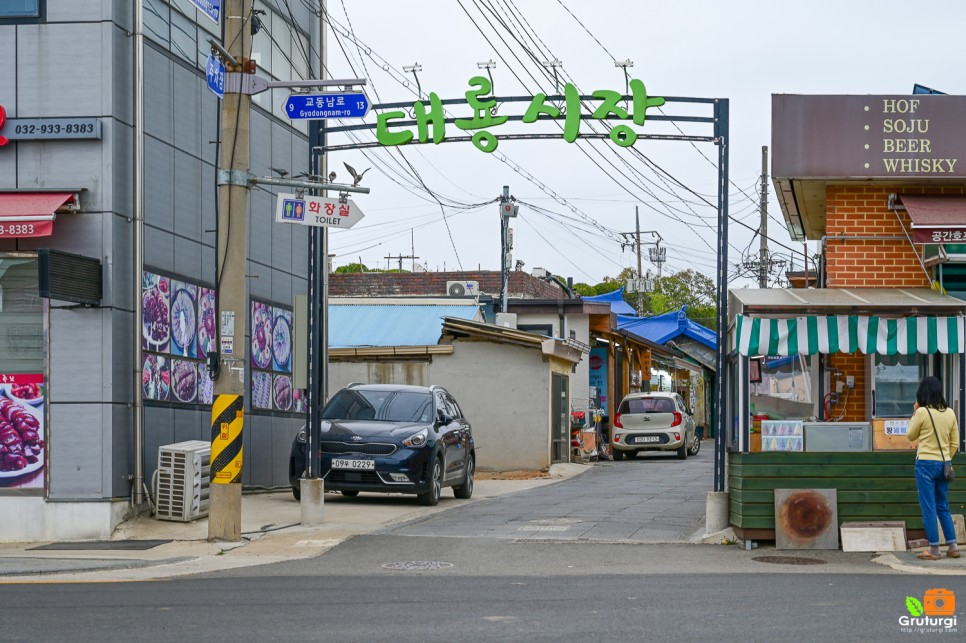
<point x="417" y="439"/>
<point x="301" y="437"/>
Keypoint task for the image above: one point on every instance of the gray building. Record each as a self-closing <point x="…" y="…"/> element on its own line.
<point x="72" y="387"/>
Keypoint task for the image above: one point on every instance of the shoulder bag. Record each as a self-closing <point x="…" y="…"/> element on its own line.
<point x="948" y="474"/>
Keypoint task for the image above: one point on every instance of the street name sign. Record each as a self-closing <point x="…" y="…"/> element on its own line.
<point x="328" y="105"/>
<point x="215" y="73"/>
<point x="317" y="211"/>
<point x="211" y="8"/>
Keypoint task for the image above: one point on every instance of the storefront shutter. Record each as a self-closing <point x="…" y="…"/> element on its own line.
<point x="848" y="334"/>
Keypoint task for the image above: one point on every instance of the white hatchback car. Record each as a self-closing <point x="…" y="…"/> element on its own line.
<point x="653" y="422"/>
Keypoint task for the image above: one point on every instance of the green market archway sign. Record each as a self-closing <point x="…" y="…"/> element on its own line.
<point x="393" y="128"/>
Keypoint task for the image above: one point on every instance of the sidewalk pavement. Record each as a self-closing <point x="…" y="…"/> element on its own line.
<point x="271" y="533"/>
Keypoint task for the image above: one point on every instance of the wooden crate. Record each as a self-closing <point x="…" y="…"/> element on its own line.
<point x="881" y="441"/>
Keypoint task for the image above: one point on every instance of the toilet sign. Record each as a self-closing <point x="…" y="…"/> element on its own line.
<point x="317" y="211"/>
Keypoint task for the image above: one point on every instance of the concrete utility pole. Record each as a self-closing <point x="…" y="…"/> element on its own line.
<point x="400" y="258"/>
<point x="640" y="273"/>
<point x="507" y="210"/>
<point x="227" y="413"/>
<point x="764" y="263"/>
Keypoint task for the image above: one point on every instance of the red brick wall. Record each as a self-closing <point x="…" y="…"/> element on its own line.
<point x="853" y="263"/>
<point x="854" y="365"/>
<point x="861" y="211"/>
<point x="433" y="284"/>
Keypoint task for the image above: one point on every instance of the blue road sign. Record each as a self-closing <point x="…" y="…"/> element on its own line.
<point x="211" y="8"/>
<point x="318" y="106"/>
<point x="215" y="72"/>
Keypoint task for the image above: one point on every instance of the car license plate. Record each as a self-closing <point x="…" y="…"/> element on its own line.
<point x="350" y="463"/>
<point x="647" y="438"/>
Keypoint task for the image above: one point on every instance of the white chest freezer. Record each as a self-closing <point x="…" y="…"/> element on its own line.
<point x="838" y="436"/>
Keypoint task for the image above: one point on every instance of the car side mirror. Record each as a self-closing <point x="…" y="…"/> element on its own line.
<point x="442" y="419"/>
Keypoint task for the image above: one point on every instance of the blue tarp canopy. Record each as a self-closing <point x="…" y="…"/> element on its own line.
<point x="358" y="326"/>
<point x="616" y="301"/>
<point x="665" y="327"/>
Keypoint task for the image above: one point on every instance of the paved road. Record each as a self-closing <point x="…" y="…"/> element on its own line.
<point x="654" y="498"/>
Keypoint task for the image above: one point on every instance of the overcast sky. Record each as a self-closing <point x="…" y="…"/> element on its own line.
<point x="740" y="49"/>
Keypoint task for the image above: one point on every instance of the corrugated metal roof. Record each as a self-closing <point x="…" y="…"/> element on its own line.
<point x="391" y="325"/>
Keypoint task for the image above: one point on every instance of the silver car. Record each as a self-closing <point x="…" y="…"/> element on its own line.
<point x="653" y="422"/>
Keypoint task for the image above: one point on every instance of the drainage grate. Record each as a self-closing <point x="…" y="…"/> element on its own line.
<point x="417" y="565"/>
<point x="789" y="560"/>
<point x="101" y="545"/>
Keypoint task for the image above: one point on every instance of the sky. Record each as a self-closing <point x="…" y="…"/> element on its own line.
<point x="575" y="199"/>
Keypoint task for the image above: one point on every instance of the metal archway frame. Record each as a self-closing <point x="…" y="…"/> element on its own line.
<point x="720" y="134"/>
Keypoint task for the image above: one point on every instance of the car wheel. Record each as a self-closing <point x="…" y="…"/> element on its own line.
<point x="431" y="497"/>
<point x="465" y="490"/>
<point x="695" y="446"/>
<point x="683" y="452"/>
<point x="617" y="454"/>
<point x="297" y="492"/>
<point x="349" y="494"/>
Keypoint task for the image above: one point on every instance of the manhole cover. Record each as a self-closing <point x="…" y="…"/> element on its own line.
<point x="417" y="565"/>
<point x="555" y="521"/>
<point x="789" y="560"/>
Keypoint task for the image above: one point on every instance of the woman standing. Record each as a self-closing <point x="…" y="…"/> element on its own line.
<point x="934" y="425"/>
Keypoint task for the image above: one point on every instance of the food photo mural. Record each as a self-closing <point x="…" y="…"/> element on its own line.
<point x="207" y="336"/>
<point x="261" y="390"/>
<point x="272" y="386"/>
<point x="156" y="378"/>
<point x="156" y="321"/>
<point x="282" y="340"/>
<point x="178" y="329"/>
<point x="23" y="447"/>
<point x="184" y="380"/>
<point x="184" y="324"/>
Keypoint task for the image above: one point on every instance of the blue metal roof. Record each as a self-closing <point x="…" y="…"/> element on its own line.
<point x="616" y="301"/>
<point x="667" y="326"/>
<point x="357" y="326"/>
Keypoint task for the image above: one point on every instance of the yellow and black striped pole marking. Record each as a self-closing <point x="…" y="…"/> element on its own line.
<point x="227" y="417"/>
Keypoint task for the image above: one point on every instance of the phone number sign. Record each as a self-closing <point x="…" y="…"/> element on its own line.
<point x="19" y="230"/>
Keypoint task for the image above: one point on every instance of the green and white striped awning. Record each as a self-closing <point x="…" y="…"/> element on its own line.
<point x="848" y="334"/>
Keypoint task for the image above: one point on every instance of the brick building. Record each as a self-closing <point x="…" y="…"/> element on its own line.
<point x="823" y="376"/>
<point x="522" y="285"/>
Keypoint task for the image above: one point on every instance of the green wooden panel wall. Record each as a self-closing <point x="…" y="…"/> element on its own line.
<point x="873" y="486"/>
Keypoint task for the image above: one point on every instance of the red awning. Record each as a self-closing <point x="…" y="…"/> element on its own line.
<point x="30" y="214"/>
<point x="936" y="219"/>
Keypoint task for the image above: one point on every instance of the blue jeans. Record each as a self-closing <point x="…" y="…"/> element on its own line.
<point x="933" y="500"/>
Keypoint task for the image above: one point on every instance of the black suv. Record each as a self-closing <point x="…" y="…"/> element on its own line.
<point x="392" y="438"/>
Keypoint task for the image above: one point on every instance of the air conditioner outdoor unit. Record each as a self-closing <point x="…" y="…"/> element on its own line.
<point x="462" y="288"/>
<point x="183" y="480"/>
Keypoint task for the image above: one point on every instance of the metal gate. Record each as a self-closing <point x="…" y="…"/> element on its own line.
<point x="560" y="417"/>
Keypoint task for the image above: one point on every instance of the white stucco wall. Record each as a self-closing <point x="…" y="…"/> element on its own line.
<point x="580" y="325"/>
<point x="503" y="389"/>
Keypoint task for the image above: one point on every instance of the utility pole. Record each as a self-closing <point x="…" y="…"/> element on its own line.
<point x="764" y="263"/>
<point x="507" y="209"/>
<point x="227" y="412"/>
<point x="400" y="258"/>
<point x="640" y="273"/>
